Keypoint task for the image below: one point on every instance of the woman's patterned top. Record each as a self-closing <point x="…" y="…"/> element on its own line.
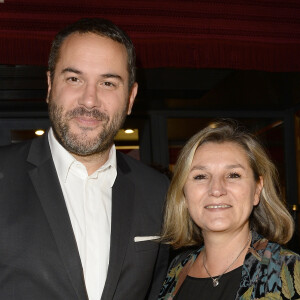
<point x="269" y="272"/>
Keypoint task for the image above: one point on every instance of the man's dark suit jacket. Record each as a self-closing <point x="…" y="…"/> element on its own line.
<point x="39" y="259"/>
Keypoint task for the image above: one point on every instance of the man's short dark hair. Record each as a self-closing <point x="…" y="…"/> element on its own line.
<point x="98" y="26"/>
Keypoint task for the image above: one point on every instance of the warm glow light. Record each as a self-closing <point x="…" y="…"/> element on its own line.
<point x="128" y="131"/>
<point x="39" y="132"/>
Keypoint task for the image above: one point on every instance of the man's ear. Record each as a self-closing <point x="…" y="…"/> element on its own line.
<point x="49" y="86"/>
<point x="131" y="97"/>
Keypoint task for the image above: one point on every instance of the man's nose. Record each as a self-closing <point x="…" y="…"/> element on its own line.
<point x="90" y="97"/>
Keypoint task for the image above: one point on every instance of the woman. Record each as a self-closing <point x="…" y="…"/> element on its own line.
<point x="224" y="196"/>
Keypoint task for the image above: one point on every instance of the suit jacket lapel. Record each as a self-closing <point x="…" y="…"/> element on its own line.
<point x="46" y="183"/>
<point x="122" y="212"/>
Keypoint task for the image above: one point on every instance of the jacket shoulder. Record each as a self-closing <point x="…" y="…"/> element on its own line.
<point x="14" y="153"/>
<point x="16" y="147"/>
<point x="138" y="169"/>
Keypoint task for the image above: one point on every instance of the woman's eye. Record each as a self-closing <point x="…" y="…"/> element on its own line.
<point x="200" y="177"/>
<point x="234" y="175"/>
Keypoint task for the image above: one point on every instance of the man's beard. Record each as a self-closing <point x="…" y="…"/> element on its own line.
<point x="81" y="144"/>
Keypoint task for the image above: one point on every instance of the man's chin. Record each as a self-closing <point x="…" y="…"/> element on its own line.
<point x="84" y="134"/>
<point x="85" y="130"/>
<point x="82" y="149"/>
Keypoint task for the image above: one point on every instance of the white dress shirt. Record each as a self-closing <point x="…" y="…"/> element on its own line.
<point x="88" y="200"/>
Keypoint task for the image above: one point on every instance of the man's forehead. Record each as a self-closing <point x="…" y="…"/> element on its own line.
<point x="73" y="55"/>
<point x="82" y="41"/>
<point x="77" y="38"/>
<point x="94" y="48"/>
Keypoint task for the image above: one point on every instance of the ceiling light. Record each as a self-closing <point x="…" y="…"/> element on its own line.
<point x="39" y="132"/>
<point x="129" y="131"/>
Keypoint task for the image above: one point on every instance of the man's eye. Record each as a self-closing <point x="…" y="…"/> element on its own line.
<point x="234" y="175"/>
<point x="200" y="177"/>
<point x="73" y="79"/>
<point x="109" y="85"/>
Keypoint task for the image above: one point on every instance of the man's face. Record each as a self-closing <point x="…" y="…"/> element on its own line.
<point x="89" y="98"/>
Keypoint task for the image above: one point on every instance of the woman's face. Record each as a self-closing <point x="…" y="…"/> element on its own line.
<point x="220" y="190"/>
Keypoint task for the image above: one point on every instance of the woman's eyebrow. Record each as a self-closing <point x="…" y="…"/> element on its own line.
<point x="235" y="166"/>
<point x="198" y="167"/>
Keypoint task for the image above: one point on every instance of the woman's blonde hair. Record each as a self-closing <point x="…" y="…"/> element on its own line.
<point x="270" y="217"/>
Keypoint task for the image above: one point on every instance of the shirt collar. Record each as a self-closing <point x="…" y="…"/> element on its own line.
<point x="63" y="160"/>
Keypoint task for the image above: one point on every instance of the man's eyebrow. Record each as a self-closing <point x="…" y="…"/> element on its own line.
<point x="71" y="70"/>
<point x="109" y="75"/>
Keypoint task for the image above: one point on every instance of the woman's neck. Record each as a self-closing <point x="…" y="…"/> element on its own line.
<point x="222" y="253"/>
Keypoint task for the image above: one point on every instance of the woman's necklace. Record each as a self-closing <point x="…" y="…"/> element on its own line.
<point x="217" y="279"/>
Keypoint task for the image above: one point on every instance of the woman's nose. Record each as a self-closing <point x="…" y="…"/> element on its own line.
<point x="217" y="187"/>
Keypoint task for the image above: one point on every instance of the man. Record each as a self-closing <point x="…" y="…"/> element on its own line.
<point x="79" y="220"/>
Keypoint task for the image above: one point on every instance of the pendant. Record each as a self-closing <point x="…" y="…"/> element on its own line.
<point x="215" y="282"/>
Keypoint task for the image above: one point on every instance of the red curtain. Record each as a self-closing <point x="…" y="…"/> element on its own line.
<point x="259" y="35"/>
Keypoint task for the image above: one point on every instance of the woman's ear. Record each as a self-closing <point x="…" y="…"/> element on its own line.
<point x="259" y="187"/>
